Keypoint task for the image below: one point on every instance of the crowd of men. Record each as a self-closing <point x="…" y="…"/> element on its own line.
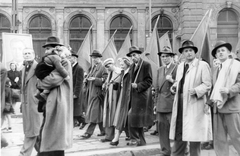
<point x="193" y="103"/>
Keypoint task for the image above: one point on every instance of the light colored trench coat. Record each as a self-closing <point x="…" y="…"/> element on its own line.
<point x="197" y="125"/>
<point x="111" y="98"/>
<point x="57" y="132"/>
<point x="32" y="119"/>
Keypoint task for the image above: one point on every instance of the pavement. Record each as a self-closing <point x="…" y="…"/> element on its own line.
<point x="91" y="146"/>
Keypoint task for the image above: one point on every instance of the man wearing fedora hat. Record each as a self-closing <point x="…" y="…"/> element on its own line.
<point x="164" y="98"/>
<point x="191" y="119"/>
<point x="94" y="81"/>
<point x="55" y="137"/>
<point x="225" y="97"/>
<point x="78" y="105"/>
<point x="141" y="108"/>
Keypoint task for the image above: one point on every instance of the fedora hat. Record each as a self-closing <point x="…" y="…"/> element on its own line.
<point x="221" y="44"/>
<point x="134" y="49"/>
<point x="166" y="50"/>
<point x="96" y="53"/>
<point x="53" y="41"/>
<point x="188" y="44"/>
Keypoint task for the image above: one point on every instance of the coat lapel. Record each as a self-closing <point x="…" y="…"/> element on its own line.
<point x="163" y="75"/>
<point x="31" y="71"/>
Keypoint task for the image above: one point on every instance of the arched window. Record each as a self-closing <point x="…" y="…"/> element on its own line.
<point x="40" y="28"/>
<point x="227" y="27"/>
<point x="78" y="29"/>
<point x="122" y="24"/>
<point x="164" y="25"/>
<point x="5" y="26"/>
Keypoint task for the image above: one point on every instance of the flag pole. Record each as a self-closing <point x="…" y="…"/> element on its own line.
<point x="110" y="40"/>
<point x="129" y="30"/>
<point x="85" y="37"/>
<point x="150" y="18"/>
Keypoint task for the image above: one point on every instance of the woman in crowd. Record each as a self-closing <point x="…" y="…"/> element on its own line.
<point x="120" y="120"/>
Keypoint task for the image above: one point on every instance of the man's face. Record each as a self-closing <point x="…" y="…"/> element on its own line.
<point x="166" y="58"/>
<point x="28" y="54"/>
<point x="222" y="53"/>
<point x="95" y="60"/>
<point x="189" y="54"/>
<point x="49" y="49"/>
<point x="17" y="49"/>
<point x="135" y="57"/>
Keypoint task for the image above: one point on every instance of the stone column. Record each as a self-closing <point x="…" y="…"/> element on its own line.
<point x="141" y="34"/>
<point x="100" y="28"/>
<point x="20" y="20"/>
<point x="59" y="23"/>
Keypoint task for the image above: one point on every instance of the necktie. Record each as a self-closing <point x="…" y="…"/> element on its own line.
<point x="218" y="70"/>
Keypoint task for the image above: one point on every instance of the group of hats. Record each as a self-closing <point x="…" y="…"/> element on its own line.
<point x="54" y="41"/>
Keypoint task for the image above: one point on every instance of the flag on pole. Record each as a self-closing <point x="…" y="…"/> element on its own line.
<point x="153" y="45"/>
<point x="125" y="48"/>
<point x="84" y="52"/>
<point x="154" y="69"/>
<point x="110" y="50"/>
<point x="164" y="41"/>
<point x="201" y="40"/>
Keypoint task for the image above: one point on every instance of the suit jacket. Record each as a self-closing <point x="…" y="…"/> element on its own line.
<point x="78" y="75"/>
<point x="164" y="97"/>
<point x="232" y="104"/>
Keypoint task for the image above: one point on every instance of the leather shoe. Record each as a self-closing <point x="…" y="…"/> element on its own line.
<point x="105" y="140"/>
<point x="86" y="136"/>
<point x="132" y="143"/>
<point x="101" y="134"/>
<point x="154" y="133"/>
<point x="82" y="126"/>
<point x="127" y="138"/>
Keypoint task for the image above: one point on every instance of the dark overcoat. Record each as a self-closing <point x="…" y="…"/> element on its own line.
<point x="141" y="106"/>
<point x="120" y="119"/>
<point x="94" y="113"/>
<point x="12" y="75"/>
<point x="78" y="75"/>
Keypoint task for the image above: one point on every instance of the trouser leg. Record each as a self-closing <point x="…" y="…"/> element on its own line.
<point x="141" y="136"/>
<point x="178" y="148"/>
<point x="164" y="128"/>
<point x="28" y="144"/>
<point x="91" y="128"/>
<point x="195" y="148"/>
<point x="109" y="133"/>
<point x="232" y="122"/>
<point x="102" y="130"/>
<point x="221" y="146"/>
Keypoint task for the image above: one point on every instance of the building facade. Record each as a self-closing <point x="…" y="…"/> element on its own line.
<point x="70" y="20"/>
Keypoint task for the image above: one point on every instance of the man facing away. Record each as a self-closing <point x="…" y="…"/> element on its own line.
<point x="164" y="98"/>
<point x="191" y="118"/>
<point x="225" y="96"/>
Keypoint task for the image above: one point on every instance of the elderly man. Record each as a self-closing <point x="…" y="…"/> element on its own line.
<point x="225" y="96"/>
<point x="32" y="119"/>
<point x="191" y="119"/>
<point x="112" y="92"/>
<point x="166" y="76"/>
<point x="94" y="81"/>
<point x="141" y="107"/>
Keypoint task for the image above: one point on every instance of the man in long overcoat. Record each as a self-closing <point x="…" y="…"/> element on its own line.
<point x="95" y="80"/>
<point x="57" y="129"/>
<point x="141" y="107"/>
<point x="32" y="119"/>
<point x="166" y="76"/>
<point x="191" y="118"/>
<point x="112" y="92"/>
<point x="226" y="99"/>
<point x="78" y="75"/>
